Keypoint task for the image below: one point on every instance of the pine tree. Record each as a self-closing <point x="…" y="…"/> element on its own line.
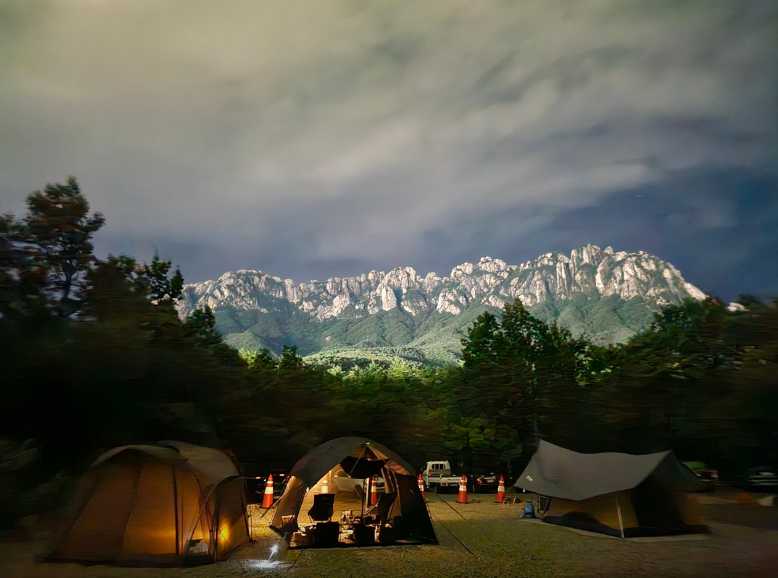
<point x="479" y="346"/>
<point x="59" y="229"/>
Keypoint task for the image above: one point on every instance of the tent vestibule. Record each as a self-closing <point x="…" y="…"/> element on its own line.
<point x="345" y="470"/>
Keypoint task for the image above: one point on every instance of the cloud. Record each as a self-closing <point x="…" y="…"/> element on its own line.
<point x="351" y="132"/>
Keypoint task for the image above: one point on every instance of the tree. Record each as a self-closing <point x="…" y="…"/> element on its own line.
<point x="60" y="229"/>
<point x="289" y="361"/>
<point x="22" y="279"/>
<point x="529" y="377"/>
<point x="261" y="360"/>
<point x="160" y="286"/>
<point x="153" y="281"/>
<point x="111" y="292"/>
<point x="545" y="361"/>
<point x="479" y="346"/>
<point x="201" y="325"/>
<point x="666" y="378"/>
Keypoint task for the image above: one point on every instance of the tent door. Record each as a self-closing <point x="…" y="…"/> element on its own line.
<point x="655" y="506"/>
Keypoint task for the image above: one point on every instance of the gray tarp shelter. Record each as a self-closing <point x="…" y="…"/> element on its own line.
<point x="338" y="465"/>
<point x="615" y="493"/>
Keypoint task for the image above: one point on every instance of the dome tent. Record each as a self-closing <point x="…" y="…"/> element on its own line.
<point x="340" y="465"/>
<point x="614" y="493"/>
<point x="169" y="503"/>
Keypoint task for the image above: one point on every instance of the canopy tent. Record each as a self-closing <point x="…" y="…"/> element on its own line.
<point x="164" y="504"/>
<point x="614" y="493"/>
<point x="340" y="467"/>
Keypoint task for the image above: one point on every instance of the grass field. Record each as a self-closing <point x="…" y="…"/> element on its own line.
<point x="481" y="539"/>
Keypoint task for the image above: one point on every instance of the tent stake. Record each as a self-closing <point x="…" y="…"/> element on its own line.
<point x="618" y="511"/>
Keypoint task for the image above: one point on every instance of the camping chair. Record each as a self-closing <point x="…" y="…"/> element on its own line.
<point x="380" y="511"/>
<point x="511" y="500"/>
<point x="323" y="507"/>
<point x="324" y="533"/>
<point x="384" y="532"/>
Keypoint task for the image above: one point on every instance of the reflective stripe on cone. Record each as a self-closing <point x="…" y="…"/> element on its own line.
<point x="500" y="498"/>
<point x="462" y="495"/>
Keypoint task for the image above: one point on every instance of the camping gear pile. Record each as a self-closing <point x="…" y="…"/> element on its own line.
<point x="340" y="475"/>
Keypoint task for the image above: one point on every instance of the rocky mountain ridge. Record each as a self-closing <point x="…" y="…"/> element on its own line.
<point x="607" y="295"/>
<point x="588" y="270"/>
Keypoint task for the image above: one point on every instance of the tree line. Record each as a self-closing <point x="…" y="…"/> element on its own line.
<point x="95" y="354"/>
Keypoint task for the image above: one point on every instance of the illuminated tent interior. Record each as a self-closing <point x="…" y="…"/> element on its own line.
<point x="327" y="498"/>
<point x="614" y="493"/>
<point x="169" y="503"/>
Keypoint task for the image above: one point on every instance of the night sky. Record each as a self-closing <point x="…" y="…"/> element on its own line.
<point x="317" y="138"/>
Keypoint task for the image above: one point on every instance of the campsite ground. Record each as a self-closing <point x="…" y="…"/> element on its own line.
<point x="481" y="539"/>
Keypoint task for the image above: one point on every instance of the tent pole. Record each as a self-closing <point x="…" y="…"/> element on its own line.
<point x="175" y="509"/>
<point x="618" y="511"/>
<point x="364" y="497"/>
<point x="354" y="467"/>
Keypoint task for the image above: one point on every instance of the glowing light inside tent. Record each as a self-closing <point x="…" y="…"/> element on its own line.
<point x="224" y="534"/>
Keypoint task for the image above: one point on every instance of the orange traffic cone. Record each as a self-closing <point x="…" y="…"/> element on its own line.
<point x="420" y="482"/>
<point x="500" y="498"/>
<point x="744" y="498"/>
<point x="462" y="496"/>
<point x="373" y="492"/>
<point x="267" y="498"/>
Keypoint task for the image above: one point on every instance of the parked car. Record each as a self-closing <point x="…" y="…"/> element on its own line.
<point x="701" y="470"/>
<point x="761" y="477"/>
<point x="707" y="477"/>
<point x="437" y="476"/>
<point x="345" y="483"/>
<point x="486" y="482"/>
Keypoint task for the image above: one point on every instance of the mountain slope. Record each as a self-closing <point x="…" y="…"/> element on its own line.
<point x="602" y="293"/>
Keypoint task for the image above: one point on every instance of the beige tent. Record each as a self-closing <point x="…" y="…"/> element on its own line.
<point x="341" y="468"/>
<point x="164" y="504"/>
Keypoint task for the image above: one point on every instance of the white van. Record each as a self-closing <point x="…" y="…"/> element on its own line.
<point x="437" y="474"/>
